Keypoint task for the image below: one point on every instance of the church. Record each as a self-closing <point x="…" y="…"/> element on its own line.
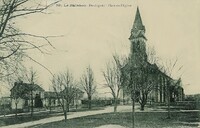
<point x="149" y="81"/>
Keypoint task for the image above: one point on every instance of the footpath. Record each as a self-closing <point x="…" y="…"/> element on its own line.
<point x="72" y="115"/>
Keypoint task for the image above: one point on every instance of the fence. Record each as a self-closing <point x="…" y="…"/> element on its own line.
<point x="99" y="103"/>
<point x="185" y="105"/>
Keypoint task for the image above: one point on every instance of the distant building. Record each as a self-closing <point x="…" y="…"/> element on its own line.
<point x="193" y="97"/>
<point x="139" y="55"/>
<point x="21" y="94"/>
<point x="51" y="99"/>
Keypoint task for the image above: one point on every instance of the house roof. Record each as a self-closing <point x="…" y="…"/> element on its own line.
<point x="21" y="85"/>
<point x="153" y="67"/>
<point x="21" y="89"/>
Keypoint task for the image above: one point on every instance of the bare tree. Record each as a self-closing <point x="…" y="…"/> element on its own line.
<point x="111" y="76"/>
<point x="27" y="75"/>
<point x="65" y="87"/>
<point x="32" y="78"/>
<point x="11" y="79"/>
<point x="169" y="67"/>
<point x="151" y="55"/>
<point x="115" y="78"/>
<point x="146" y="84"/>
<point x="149" y="75"/>
<point x="18" y="77"/>
<point x="18" y="93"/>
<point x="88" y="84"/>
<point x="14" y="42"/>
<point x="142" y="76"/>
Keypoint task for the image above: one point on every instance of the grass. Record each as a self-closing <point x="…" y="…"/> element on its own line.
<point x="37" y="116"/>
<point x="143" y="120"/>
<point x="25" y="118"/>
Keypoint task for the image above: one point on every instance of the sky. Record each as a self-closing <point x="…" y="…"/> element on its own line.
<point x="90" y="34"/>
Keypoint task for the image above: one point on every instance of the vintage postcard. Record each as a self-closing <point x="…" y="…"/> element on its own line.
<point x="99" y="63"/>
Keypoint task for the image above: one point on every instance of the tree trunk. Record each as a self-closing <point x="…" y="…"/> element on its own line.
<point x="65" y="115"/>
<point x="143" y="101"/>
<point x="31" y="103"/>
<point x="115" y="108"/>
<point x="4" y="111"/>
<point x="67" y="104"/>
<point x="133" y="105"/>
<point x="76" y="101"/>
<point x="63" y="105"/>
<point x="50" y="109"/>
<point x="133" y="111"/>
<point x="115" y="104"/>
<point x="168" y="103"/>
<point x="68" y="107"/>
<point x="89" y="102"/>
<point x="76" y="106"/>
<point x="50" y="106"/>
<point x="142" y="107"/>
<point x="123" y="97"/>
<point x="15" y="109"/>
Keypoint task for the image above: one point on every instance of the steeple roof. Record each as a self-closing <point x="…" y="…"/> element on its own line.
<point x="138" y="29"/>
<point x="138" y="21"/>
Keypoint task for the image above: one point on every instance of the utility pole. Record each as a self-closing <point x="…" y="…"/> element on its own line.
<point x="168" y="99"/>
<point x="133" y="108"/>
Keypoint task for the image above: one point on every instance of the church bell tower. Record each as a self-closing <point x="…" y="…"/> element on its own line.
<point x="138" y="39"/>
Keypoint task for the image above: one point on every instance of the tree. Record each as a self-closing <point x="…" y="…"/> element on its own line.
<point x="87" y="82"/>
<point x="78" y="96"/>
<point x="32" y="79"/>
<point x="146" y="83"/>
<point x="29" y="76"/>
<point x="12" y="80"/>
<point x="14" y="42"/>
<point x="65" y="87"/>
<point x="19" y="92"/>
<point x="169" y="67"/>
<point x="148" y="77"/>
<point x="115" y="78"/>
<point x="140" y="76"/>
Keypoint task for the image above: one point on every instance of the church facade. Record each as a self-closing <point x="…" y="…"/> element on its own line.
<point x="150" y="82"/>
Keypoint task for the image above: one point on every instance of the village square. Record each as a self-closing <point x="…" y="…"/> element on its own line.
<point x="73" y="72"/>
